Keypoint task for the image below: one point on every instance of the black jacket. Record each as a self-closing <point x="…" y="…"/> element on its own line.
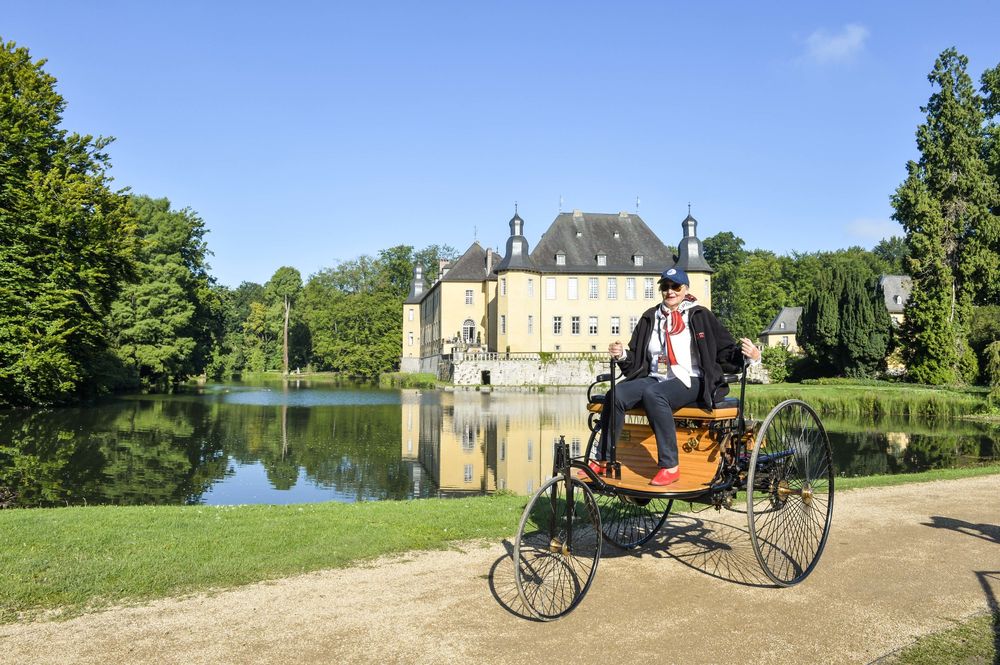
<point x="717" y="351"/>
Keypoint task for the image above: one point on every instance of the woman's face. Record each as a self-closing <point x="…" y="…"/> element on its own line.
<point x="673" y="294"/>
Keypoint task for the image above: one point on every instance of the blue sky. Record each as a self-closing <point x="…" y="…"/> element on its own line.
<point x="308" y="133"/>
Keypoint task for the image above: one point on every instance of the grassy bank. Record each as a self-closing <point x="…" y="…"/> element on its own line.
<point x="973" y="641"/>
<point x="73" y="559"/>
<point x="859" y="399"/>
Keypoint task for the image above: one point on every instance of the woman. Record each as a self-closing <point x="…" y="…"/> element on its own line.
<point x="676" y="357"/>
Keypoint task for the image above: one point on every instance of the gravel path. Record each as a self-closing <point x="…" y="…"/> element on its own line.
<point x="900" y="562"/>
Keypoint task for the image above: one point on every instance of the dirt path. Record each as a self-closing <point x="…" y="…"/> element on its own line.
<point x="901" y="562"/>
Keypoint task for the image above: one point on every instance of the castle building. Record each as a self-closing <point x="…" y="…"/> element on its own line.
<point x="585" y="284"/>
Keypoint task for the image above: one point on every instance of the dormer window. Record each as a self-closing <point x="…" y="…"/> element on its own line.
<point x="637" y="260"/>
<point x="898" y="299"/>
<point x="579" y="234"/>
<point x="782" y="325"/>
<point x="602" y="259"/>
<point x="560" y="259"/>
<point x="617" y="235"/>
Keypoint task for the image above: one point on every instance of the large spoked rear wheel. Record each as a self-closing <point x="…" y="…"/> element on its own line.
<point x="629" y="522"/>
<point x="557" y="548"/>
<point x="790" y="492"/>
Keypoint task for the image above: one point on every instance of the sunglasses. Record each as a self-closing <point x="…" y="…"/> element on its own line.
<point x="670" y="286"/>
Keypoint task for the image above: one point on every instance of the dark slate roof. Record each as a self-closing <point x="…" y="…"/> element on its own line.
<point x="517" y="257"/>
<point x="471" y="266"/>
<point x="690" y="253"/>
<point x="896" y="285"/>
<point x="418" y="288"/>
<point x="790" y="317"/>
<point x="582" y="236"/>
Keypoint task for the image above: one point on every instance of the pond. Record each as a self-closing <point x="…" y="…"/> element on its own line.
<point x="300" y="442"/>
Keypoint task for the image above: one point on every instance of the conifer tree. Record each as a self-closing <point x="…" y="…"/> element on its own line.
<point x="945" y="206"/>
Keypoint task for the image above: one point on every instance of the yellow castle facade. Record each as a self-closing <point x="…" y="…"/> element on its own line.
<point x="584" y="285"/>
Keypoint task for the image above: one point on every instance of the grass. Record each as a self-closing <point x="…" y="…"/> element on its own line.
<point x="973" y="642"/>
<point x="68" y="560"/>
<point x="406" y="380"/>
<point x="859" y="399"/>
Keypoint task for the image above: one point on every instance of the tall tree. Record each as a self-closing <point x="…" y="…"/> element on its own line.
<point x="945" y="206"/>
<point x="66" y="242"/>
<point x="284" y="287"/>
<point x="893" y="252"/>
<point x="164" y="325"/>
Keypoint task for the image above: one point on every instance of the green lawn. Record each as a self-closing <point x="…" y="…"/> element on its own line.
<point x="73" y="559"/>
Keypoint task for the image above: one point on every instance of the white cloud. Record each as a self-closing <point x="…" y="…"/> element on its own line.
<point x="824" y="48"/>
<point x="873" y="230"/>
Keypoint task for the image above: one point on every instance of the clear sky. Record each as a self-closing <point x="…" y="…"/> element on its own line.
<point x="308" y="133"/>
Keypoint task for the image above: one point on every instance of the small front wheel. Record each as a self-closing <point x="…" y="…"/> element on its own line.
<point x="557" y="548"/>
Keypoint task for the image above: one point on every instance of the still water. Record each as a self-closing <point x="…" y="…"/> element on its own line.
<point x="301" y="442"/>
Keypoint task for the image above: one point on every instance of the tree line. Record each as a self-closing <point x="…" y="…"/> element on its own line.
<point x="104" y="290"/>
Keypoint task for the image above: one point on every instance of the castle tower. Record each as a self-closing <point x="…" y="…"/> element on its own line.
<point x="691" y="259"/>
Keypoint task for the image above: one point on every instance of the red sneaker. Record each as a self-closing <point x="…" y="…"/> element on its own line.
<point x="664" y="477"/>
<point x="595" y="466"/>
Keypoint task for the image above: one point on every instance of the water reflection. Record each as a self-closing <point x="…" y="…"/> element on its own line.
<point x="293" y="443"/>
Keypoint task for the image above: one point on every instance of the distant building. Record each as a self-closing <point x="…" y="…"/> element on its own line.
<point x="897" y="289"/>
<point x="783" y="329"/>
<point x="585" y="284"/>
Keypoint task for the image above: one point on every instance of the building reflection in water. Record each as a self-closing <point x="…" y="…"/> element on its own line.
<point x="470" y="443"/>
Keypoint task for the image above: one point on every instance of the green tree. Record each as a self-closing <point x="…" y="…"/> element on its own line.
<point x="165" y="325"/>
<point x="430" y="257"/>
<point x="284" y="287"/>
<point x="893" y="252"/>
<point x="66" y="242"/>
<point x="945" y="206"/>
<point x="845" y="327"/>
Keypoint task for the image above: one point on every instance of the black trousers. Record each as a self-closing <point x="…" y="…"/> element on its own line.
<point x="659" y="399"/>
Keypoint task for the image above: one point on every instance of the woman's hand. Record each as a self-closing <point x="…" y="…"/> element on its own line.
<point x="615" y="349"/>
<point x="750" y="350"/>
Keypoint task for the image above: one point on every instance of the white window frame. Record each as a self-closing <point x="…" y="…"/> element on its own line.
<point x="531" y="324"/>
<point x="648" y="291"/>
<point x="550" y="288"/>
<point x="592" y="325"/>
<point x="602" y="259"/>
<point x="633" y="321"/>
<point x="503" y="324"/>
<point x="612" y="288"/>
<point x="503" y="286"/>
<point x="560" y="259"/>
<point x="637" y="260"/>
<point x="630" y="288"/>
<point x="531" y="288"/>
<point x="469" y="297"/>
<point x="616" y="325"/>
<point x="593" y="288"/>
<point x="557" y="325"/>
<point x="574" y="325"/>
<point x="573" y="288"/>
<point x="411" y="314"/>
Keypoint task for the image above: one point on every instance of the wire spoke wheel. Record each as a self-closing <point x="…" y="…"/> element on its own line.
<point x="790" y="492"/>
<point x="557" y="548"/>
<point x="630" y="522"/>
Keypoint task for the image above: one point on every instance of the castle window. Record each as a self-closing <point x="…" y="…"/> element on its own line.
<point x="503" y="324"/>
<point x="630" y="288"/>
<point x="550" y="288"/>
<point x="616" y="234"/>
<point x="556" y="325"/>
<point x="648" y="289"/>
<point x="531" y="288"/>
<point x="592" y="288"/>
<point x="592" y="328"/>
<point x="898" y="299"/>
<point x="574" y="325"/>
<point x="616" y="325"/>
<point x="410" y="341"/>
<point x="467" y="473"/>
<point x="468" y="296"/>
<point x="411" y="314"/>
<point x="637" y="260"/>
<point x="633" y="321"/>
<point x="602" y="259"/>
<point x="503" y="286"/>
<point x="573" y="289"/>
<point x="469" y="331"/>
<point x="782" y="325"/>
<point x="531" y="325"/>
<point x="560" y="259"/>
<point x="612" y="288"/>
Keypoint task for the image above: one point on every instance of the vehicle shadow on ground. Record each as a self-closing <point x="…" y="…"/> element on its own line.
<point x="713" y="547"/>
<point x="988" y="532"/>
<point x="717" y="549"/>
